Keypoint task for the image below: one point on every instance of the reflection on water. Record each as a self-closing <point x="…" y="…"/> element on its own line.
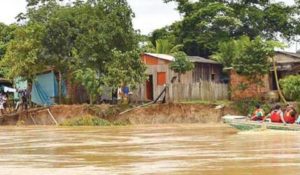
<point x="163" y="149"/>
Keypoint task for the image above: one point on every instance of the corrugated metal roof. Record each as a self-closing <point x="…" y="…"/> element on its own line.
<point x="195" y="59"/>
<point x="161" y="56"/>
<point x="290" y="54"/>
<point x="198" y="59"/>
<point x="289" y="58"/>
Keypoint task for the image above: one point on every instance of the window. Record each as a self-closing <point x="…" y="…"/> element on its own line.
<point x="212" y="77"/>
<point x="161" y="78"/>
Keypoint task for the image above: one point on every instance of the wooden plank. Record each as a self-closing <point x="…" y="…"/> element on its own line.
<point x="56" y="123"/>
<point x="34" y="122"/>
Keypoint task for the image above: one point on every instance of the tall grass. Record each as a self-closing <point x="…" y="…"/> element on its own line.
<point x="89" y="120"/>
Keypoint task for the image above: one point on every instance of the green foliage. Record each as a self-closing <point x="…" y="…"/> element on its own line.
<point x="90" y="80"/>
<point x="206" y="23"/>
<point x="89" y="120"/>
<point x="253" y="60"/>
<point x="124" y="68"/>
<point x="21" y="57"/>
<point x="6" y="35"/>
<point x="291" y="87"/>
<point x="181" y="64"/>
<point x="162" y="46"/>
<point x="94" y="40"/>
<point x="246" y="107"/>
<point x="86" y="121"/>
<point x="248" y="57"/>
<point x="227" y="52"/>
<point x="242" y="86"/>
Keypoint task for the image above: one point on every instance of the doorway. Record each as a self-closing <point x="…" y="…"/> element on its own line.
<point x="149" y="87"/>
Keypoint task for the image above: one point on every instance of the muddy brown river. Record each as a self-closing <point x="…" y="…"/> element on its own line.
<point x="160" y="149"/>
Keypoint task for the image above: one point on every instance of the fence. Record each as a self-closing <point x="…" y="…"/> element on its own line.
<point x="204" y="90"/>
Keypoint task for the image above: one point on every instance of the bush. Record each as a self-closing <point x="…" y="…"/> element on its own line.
<point x="246" y="107"/>
<point x="291" y="87"/>
<point x="89" y="120"/>
<point x="86" y="121"/>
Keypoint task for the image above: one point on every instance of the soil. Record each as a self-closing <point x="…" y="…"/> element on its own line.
<point x="59" y="112"/>
<point x="154" y="114"/>
<point x="177" y="113"/>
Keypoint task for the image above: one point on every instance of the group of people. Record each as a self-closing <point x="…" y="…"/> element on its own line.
<point x="3" y="102"/>
<point x="22" y="101"/>
<point x="277" y="115"/>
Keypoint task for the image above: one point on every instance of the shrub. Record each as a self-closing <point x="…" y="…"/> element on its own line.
<point x="246" y="107"/>
<point x="89" y="120"/>
<point x="291" y="87"/>
<point x="86" y="121"/>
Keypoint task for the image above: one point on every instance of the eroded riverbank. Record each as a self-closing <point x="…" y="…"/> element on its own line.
<point x="147" y="149"/>
<point x="154" y="114"/>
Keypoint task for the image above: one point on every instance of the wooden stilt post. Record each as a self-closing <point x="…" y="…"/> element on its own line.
<point x="56" y="123"/>
<point x="32" y="119"/>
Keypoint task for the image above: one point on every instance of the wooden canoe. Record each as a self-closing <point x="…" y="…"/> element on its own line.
<point x="244" y="124"/>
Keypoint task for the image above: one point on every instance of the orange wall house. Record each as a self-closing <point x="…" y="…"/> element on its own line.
<point x="159" y="74"/>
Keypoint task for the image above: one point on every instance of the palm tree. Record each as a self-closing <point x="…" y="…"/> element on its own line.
<point x="163" y="46"/>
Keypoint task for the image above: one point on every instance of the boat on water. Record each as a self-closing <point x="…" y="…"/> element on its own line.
<point x="244" y="123"/>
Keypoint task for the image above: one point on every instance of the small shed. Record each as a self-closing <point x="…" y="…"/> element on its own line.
<point x="44" y="88"/>
<point x="159" y="73"/>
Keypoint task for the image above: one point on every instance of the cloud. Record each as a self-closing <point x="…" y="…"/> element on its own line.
<point x="154" y="14"/>
<point x="9" y="9"/>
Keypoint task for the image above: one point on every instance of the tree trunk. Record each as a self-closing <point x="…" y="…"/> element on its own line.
<point x="59" y="87"/>
<point x="91" y="99"/>
<point x="277" y="82"/>
<point x="179" y="77"/>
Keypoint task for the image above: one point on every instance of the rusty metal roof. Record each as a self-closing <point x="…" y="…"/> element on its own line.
<point x="197" y="59"/>
<point x="194" y="59"/>
<point x="288" y="58"/>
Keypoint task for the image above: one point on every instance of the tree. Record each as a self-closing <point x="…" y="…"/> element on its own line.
<point x="78" y="37"/>
<point x="181" y="64"/>
<point x="89" y="78"/>
<point x="291" y="87"/>
<point x="227" y="52"/>
<point x="6" y="35"/>
<point x="206" y="23"/>
<point x="250" y="58"/>
<point x="119" y="72"/>
<point x="22" y="54"/>
<point x="253" y="57"/>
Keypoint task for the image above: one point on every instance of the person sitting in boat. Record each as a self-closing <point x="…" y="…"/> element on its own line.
<point x="276" y="115"/>
<point x="290" y="114"/>
<point x="258" y="114"/>
<point x="298" y="120"/>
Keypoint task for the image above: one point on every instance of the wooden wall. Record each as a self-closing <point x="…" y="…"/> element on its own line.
<point x="155" y="69"/>
<point x="203" y="72"/>
<point x="204" y="90"/>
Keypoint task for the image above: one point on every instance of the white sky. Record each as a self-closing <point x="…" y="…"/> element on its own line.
<point x="149" y="14"/>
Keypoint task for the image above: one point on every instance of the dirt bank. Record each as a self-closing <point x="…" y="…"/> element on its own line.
<point x="59" y="112"/>
<point x="176" y="113"/>
<point x="155" y="114"/>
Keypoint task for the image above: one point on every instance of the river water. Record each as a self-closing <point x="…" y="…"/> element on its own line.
<point x="159" y="149"/>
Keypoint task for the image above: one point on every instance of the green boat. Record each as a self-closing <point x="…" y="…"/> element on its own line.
<point x="243" y="123"/>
